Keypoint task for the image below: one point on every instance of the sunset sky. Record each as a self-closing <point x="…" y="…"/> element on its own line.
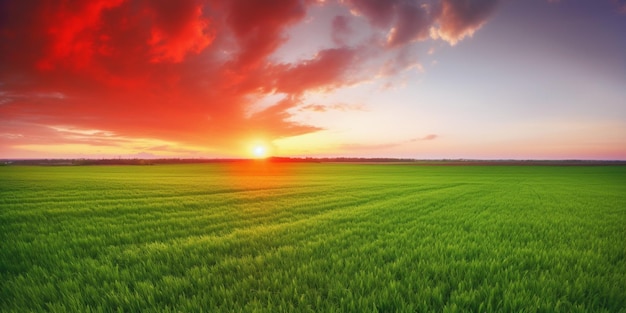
<point x="424" y="79"/>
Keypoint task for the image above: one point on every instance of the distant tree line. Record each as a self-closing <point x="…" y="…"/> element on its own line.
<point x="443" y="162"/>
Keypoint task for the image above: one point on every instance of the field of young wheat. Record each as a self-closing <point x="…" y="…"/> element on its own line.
<point x="266" y="237"/>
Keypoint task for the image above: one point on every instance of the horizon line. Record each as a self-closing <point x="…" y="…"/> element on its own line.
<point x="7" y="161"/>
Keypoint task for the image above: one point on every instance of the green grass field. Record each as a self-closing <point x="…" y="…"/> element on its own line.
<point x="263" y="237"/>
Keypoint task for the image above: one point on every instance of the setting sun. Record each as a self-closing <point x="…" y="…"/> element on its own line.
<point x="259" y="151"/>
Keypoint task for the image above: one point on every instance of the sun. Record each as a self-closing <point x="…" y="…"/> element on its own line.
<point x="259" y="151"/>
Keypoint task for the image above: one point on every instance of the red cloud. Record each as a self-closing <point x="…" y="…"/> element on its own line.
<point x="326" y="70"/>
<point x="182" y="71"/>
<point x="264" y="122"/>
<point x="179" y="28"/>
<point x="258" y="26"/>
<point x="71" y="30"/>
<point x="141" y="68"/>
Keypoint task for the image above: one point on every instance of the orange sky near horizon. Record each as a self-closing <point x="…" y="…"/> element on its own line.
<point x="424" y="79"/>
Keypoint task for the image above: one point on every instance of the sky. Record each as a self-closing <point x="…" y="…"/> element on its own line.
<point x="423" y="79"/>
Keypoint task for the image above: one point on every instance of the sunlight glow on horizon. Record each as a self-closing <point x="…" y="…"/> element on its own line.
<point x="259" y="152"/>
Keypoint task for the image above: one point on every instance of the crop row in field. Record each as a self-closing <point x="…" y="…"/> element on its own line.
<point x="264" y="237"/>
